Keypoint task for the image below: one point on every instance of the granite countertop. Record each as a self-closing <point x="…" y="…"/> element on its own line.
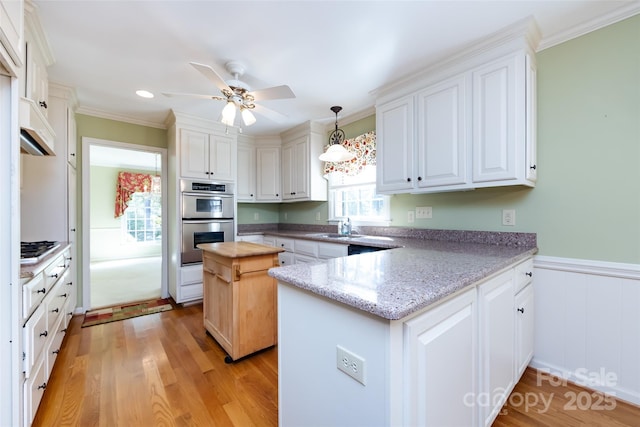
<point x="238" y="249"/>
<point x="395" y="283"/>
<point x="28" y="271"/>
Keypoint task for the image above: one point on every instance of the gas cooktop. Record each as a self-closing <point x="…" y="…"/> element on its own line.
<point x="33" y="252"/>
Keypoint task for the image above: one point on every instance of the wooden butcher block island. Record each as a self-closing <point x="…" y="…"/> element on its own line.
<point x="239" y="297"/>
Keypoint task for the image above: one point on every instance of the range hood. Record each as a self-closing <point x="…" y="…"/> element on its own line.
<point x="36" y="135"/>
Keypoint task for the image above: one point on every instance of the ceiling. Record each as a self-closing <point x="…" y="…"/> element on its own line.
<point x="328" y="52"/>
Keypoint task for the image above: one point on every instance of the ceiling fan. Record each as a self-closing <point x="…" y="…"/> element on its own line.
<point x="239" y="96"/>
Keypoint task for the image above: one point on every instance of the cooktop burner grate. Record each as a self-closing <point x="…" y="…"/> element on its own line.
<point x="34" y="251"/>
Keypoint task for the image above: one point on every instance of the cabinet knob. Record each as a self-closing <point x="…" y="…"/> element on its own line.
<point x="72" y="154"/>
<point x="530" y="274"/>
<point x="277" y="195"/>
<point x="532" y="167"/>
<point x="55" y="310"/>
<point x="43" y="104"/>
<point x="44" y="334"/>
<point x="42" y="386"/>
<point x="69" y="283"/>
<point x="56" y="351"/>
<point x="63" y="295"/>
<point x="419" y="178"/>
<point x="55" y="276"/>
<point x="521" y="310"/>
<point x="73" y="229"/>
<point x="41" y="291"/>
<point x="408" y="179"/>
<point x="251" y="195"/>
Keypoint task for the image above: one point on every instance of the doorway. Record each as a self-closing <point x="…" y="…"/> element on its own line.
<point x="123" y="227"/>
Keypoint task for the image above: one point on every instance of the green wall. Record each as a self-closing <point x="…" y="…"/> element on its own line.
<point x="586" y="203"/>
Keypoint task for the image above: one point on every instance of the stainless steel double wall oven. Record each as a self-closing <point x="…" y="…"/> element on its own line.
<point x="207" y="216"/>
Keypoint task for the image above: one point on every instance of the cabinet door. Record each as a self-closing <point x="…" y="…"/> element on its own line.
<point x="524" y="329"/>
<point x="221" y="158"/>
<point x="288" y="172"/>
<point x="286" y="258"/>
<point x="194" y="154"/>
<point x="246" y="183"/>
<point x="531" y="161"/>
<point x="441" y="364"/>
<point x="71" y="138"/>
<point x="295" y="170"/>
<point x="498" y="119"/>
<point x="395" y="146"/>
<point x="497" y="334"/>
<point x="442" y="134"/>
<point x="268" y="174"/>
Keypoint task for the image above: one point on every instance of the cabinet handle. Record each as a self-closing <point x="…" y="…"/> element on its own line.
<point x="55" y="310"/>
<point x="73" y="229"/>
<point x="419" y="178"/>
<point x="69" y="258"/>
<point x="54" y="275"/>
<point x="43" y="291"/>
<point x="408" y="179"/>
<point x="44" y="334"/>
<point x="521" y="310"/>
<point x="42" y="386"/>
<point x="43" y="104"/>
<point x="532" y="167"/>
<point x="69" y="283"/>
<point x="72" y="154"/>
<point x="530" y="274"/>
<point x="56" y="351"/>
<point x="63" y="295"/>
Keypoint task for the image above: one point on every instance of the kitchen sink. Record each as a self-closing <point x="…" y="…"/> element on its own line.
<point x="347" y="236"/>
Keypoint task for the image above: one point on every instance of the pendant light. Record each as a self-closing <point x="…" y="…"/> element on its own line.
<point x="336" y="151"/>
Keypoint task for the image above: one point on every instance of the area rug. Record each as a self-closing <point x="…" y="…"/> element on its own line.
<point x="125" y="311"/>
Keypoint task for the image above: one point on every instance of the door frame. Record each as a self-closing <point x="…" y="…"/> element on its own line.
<point x="85" y="250"/>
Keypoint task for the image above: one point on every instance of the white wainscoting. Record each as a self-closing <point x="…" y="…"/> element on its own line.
<point x="587" y="323"/>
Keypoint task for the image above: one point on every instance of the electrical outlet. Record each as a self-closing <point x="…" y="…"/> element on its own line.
<point x="285" y="215"/>
<point x="423" y="212"/>
<point x="509" y="217"/>
<point x="317" y="216"/>
<point x="256" y="216"/>
<point x="411" y="216"/>
<point x="351" y="364"/>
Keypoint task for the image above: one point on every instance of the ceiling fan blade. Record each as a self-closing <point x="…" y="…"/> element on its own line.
<point x="195" y="95"/>
<point x="211" y="74"/>
<point x="270" y="114"/>
<point x="276" y="92"/>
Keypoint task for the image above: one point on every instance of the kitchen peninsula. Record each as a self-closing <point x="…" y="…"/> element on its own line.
<point x="239" y="297"/>
<point x="436" y="332"/>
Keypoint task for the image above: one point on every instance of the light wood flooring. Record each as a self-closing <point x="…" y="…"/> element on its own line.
<point x="164" y="370"/>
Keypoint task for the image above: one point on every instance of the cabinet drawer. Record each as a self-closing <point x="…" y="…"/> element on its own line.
<point x="56" y="301"/>
<point x="33" y="293"/>
<point x="33" y="390"/>
<point x="54" y="271"/>
<point x="306" y="247"/>
<point x="304" y="259"/>
<point x="191" y="292"/>
<point x="524" y="274"/>
<point x="286" y="244"/>
<point x="191" y="274"/>
<point x="69" y="308"/>
<point x="54" y="345"/>
<point x="269" y="241"/>
<point x="331" y="250"/>
<point x="35" y="338"/>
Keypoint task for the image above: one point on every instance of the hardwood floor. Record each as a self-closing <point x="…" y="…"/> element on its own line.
<point x="163" y="370"/>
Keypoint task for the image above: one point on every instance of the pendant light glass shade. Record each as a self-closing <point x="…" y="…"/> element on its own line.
<point x="336" y="151"/>
<point x="247" y="117"/>
<point x="229" y="114"/>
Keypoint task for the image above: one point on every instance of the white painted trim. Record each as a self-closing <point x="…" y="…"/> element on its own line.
<point x="86" y="210"/>
<point x="624" y="12"/>
<point x="601" y="268"/>
<point x="94" y="112"/>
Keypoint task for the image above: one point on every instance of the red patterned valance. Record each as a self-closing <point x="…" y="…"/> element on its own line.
<point x="364" y="147"/>
<point x="129" y="183"/>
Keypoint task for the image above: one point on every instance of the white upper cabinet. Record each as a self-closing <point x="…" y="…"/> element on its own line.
<point x="206" y="156"/>
<point x="465" y="124"/>
<point x="258" y="170"/>
<point x="394" y="161"/>
<point x="11" y="34"/>
<point x="268" y="187"/>
<point x="301" y="168"/>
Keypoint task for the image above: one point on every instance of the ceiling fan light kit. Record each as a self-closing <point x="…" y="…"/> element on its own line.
<point x="336" y="151"/>
<point x="238" y="95"/>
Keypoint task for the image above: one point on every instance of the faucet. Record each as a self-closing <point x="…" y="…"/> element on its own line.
<point x="345" y="227"/>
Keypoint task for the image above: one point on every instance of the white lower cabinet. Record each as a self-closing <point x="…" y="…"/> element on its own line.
<point x="48" y="304"/>
<point x="496" y="341"/>
<point x="453" y="364"/>
<point x="189" y="284"/>
<point x="444" y="336"/>
<point x="300" y="251"/>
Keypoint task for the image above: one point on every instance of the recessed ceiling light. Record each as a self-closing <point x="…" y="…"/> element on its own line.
<point x="144" y="93"/>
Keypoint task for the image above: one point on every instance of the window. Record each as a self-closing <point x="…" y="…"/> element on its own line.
<point x="142" y="219"/>
<point x="355" y="197"/>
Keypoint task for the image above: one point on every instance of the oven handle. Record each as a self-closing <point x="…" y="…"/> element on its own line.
<point x="205" y="221"/>
<point x="223" y="195"/>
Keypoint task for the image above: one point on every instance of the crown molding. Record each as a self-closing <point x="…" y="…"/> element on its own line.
<point x="620" y="14"/>
<point x="94" y="112"/>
